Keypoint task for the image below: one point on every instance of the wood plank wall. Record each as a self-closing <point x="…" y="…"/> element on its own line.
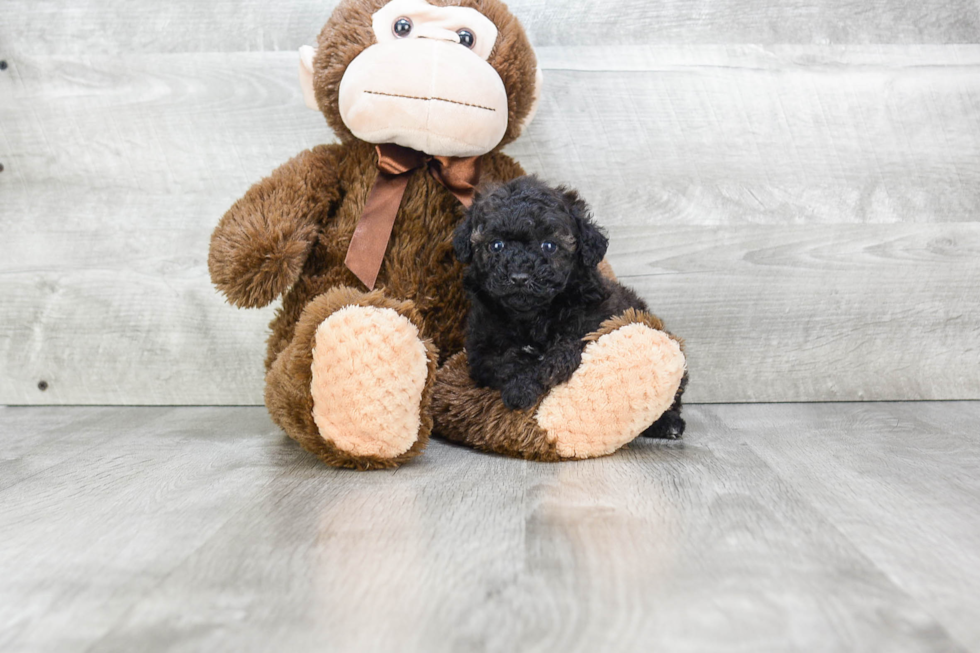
<point x="795" y="186"/>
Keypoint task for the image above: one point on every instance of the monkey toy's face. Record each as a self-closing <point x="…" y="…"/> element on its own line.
<point x="427" y="84"/>
<point x="425" y="77"/>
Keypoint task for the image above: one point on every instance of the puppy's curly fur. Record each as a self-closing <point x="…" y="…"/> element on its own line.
<point x="536" y="290"/>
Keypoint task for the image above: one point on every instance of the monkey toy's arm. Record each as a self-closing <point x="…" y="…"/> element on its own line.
<point x="260" y="245"/>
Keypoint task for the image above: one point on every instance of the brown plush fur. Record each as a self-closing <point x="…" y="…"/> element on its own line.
<point x="477" y="417"/>
<point x="419" y="264"/>
<point x="419" y="270"/>
<point x="259" y="246"/>
<point x="289" y="234"/>
<point x="632" y="316"/>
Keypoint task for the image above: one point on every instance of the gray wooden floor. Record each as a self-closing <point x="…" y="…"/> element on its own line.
<point x="792" y="527"/>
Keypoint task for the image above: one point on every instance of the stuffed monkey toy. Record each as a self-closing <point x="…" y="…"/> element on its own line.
<point x="365" y="354"/>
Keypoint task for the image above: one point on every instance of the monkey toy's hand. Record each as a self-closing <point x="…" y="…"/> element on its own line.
<point x="521" y="392"/>
<point x="259" y="247"/>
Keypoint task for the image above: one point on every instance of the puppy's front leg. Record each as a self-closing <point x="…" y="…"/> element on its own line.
<point x="554" y="367"/>
<point x="513" y="371"/>
<point x="559" y="363"/>
<point x="522" y="391"/>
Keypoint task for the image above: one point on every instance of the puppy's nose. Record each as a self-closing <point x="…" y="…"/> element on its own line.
<point x="520" y="278"/>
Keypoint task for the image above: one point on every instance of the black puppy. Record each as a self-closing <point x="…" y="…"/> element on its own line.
<point x="536" y="291"/>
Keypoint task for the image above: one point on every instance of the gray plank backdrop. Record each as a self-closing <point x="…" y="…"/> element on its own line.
<point x="795" y="186"/>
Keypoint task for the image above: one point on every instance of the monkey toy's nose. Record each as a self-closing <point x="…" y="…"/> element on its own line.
<point x="520" y="278"/>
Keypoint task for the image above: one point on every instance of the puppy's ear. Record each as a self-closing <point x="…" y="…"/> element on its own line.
<point x="592" y="242"/>
<point x="463" y="236"/>
<point x="462" y="243"/>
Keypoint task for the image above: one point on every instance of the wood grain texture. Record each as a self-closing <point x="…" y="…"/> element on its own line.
<point x="823" y="527"/>
<point x="790" y="313"/>
<point x="691" y="135"/>
<point x="897" y="480"/>
<point x="864" y="161"/>
<point x="113" y="508"/>
<point x="120" y="26"/>
<point x="27" y="451"/>
<point x="784" y="135"/>
<point x="815" y="313"/>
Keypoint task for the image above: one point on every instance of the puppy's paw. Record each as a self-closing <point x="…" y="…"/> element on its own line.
<point x="562" y="362"/>
<point x="670" y="426"/>
<point x="521" y="394"/>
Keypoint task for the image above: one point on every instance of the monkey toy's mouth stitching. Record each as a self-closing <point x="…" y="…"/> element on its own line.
<point x="431" y="99"/>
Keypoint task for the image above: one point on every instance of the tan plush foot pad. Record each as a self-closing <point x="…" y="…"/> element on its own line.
<point x="627" y="379"/>
<point x="369" y="372"/>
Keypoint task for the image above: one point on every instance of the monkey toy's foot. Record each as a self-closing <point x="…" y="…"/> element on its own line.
<point x="630" y="373"/>
<point x="627" y="379"/>
<point x="367" y="386"/>
<point x="369" y="370"/>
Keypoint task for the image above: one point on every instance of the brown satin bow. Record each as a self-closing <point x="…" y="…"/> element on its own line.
<point x="395" y="163"/>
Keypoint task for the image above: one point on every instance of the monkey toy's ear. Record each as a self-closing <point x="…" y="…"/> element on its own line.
<point x="306" y="54"/>
<point x="536" y="99"/>
<point x="592" y="243"/>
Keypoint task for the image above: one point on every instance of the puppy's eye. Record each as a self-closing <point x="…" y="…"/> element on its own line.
<point x="497" y="246"/>
<point x="466" y="37"/>
<point x="402" y="27"/>
<point x="549" y="247"/>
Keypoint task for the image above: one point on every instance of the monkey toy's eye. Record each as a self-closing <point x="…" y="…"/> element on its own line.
<point x="402" y="27"/>
<point x="466" y="37"/>
<point x="497" y="246"/>
<point x="549" y="247"/>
